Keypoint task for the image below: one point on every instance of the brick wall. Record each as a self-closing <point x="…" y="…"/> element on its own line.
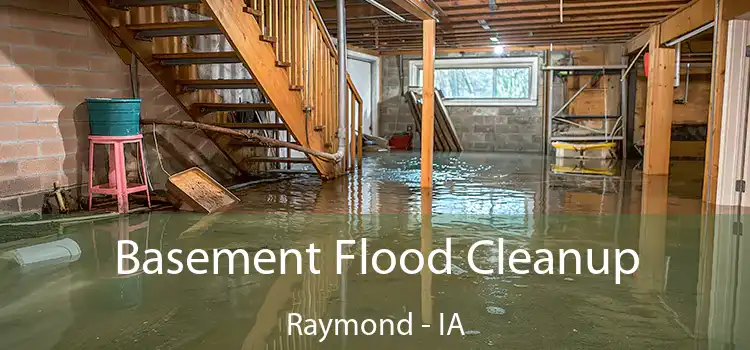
<point x="52" y="58"/>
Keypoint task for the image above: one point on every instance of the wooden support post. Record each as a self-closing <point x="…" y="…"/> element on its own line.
<point x="716" y="114"/>
<point x="428" y="100"/>
<point x="652" y="238"/>
<point x="659" y="102"/>
<point x="426" y="249"/>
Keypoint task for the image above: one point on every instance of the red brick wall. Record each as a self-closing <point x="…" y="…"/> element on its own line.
<point x="51" y="59"/>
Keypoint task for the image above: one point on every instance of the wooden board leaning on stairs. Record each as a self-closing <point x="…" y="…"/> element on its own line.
<point x="446" y="138"/>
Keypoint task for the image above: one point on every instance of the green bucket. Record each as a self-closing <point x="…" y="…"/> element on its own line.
<point x="114" y="116"/>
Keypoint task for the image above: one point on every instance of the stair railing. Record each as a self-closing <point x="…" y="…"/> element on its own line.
<point x="303" y="44"/>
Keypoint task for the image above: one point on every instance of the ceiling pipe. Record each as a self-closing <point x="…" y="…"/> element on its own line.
<point x="388" y="11"/>
<point x="437" y="7"/>
<point x="690" y="35"/>
<point x="678" y="56"/>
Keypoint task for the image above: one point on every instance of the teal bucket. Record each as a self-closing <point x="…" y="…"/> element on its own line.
<point x="114" y="116"/>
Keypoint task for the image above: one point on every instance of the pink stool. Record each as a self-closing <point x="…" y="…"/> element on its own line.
<point x="118" y="182"/>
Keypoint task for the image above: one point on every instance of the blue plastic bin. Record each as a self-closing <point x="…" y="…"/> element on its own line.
<point x="114" y="116"/>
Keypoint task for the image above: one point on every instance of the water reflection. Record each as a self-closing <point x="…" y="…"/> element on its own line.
<point x="688" y="291"/>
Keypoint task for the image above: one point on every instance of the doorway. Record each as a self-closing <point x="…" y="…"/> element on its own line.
<point x="364" y="70"/>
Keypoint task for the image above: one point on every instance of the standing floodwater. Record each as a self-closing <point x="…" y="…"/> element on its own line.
<point x="690" y="289"/>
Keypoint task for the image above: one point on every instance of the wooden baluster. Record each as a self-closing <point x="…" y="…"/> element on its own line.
<point x="313" y="81"/>
<point x="332" y="110"/>
<point x="281" y="37"/>
<point x="327" y="92"/>
<point x="276" y="27"/>
<point x="350" y="120"/>
<point x="319" y="82"/>
<point x="290" y="19"/>
<point x="271" y="18"/>
<point x="292" y="42"/>
<point x="263" y="15"/>
<point x="333" y="98"/>
<point x="359" y="136"/>
<point x="298" y="41"/>
<point x="306" y="33"/>
<point x="323" y="91"/>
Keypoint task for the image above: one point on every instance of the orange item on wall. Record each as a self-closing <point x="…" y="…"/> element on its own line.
<point x="646" y="58"/>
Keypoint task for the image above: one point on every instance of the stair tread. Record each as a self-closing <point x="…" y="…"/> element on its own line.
<point x="258" y="126"/>
<point x="188" y="58"/>
<point x="172" y="29"/>
<point x="219" y="83"/>
<point x="280" y="159"/>
<point x="147" y="3"/>
<point x="172" y="25"/>
<point x="234" y="106"/>
<point x="214" y="54"/>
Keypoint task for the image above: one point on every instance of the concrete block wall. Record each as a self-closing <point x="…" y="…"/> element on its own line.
<point x="480" y="128"/>
<point x="52" y="57"/>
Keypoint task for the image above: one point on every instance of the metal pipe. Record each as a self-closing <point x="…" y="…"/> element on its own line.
<point x="678" y="56"/>
<point x="343" y="88"/>
<point x="634" y="61"/>
<point x="690" y="34"/>
<point x="687" y="83"/>
<point x="388" y="11"/>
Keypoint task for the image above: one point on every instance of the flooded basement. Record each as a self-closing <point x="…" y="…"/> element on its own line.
<point x="686" y="294"/>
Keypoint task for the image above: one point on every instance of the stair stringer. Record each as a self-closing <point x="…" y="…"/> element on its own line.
<point x="259" y="57"/>
<point x="111" y="26"/>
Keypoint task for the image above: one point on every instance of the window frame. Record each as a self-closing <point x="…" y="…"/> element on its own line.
<point x="493" y="62"/>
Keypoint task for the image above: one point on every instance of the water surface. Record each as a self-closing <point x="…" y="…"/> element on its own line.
<point x="691" y="290"/>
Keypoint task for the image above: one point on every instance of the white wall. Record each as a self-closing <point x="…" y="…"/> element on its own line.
<point x="364" y="70"/>
<point x="733" y="149"/>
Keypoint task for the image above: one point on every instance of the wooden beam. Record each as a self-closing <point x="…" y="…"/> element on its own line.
<point x="428" y="101"/>
<point x="688" y="18"/>
<point x="734" y="8"/>
<point x="362" y="50"/>
<point x="484" y="49"/>
<point x="659" y="102"/>
<point x="418" y="8"/>
<point x="716" y="109"/>
<point x="638" y="42"/>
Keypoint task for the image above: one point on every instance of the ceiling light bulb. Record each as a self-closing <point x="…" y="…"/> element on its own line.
<point x="498" y="50"/>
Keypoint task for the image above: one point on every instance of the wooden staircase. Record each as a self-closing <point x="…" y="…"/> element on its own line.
<point x="268" y="66"/>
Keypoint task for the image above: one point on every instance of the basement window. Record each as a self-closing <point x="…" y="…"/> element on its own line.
<point x="497" y="81"/>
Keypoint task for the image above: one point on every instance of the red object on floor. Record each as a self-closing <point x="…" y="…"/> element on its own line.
<point x="118" y="182"/>
<point x="400" y="141"/>
<point x="646" y="59"/>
